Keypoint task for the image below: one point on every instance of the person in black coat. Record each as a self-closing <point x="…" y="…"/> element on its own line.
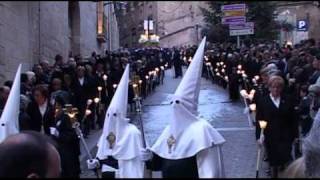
<point x="81" y="88"/>
<point x="40" y="111"/>
<point x="281" y="129"/>
<point x="68" y="142"/>
<point x="177" y="63"/>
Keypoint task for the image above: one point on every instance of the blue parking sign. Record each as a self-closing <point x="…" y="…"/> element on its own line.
<point x="302" y="25"/>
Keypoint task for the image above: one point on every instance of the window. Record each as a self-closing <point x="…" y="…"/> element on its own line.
<point x="100" y="9"/>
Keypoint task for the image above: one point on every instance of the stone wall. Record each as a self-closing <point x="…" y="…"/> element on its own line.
<point x="30" y="28"/>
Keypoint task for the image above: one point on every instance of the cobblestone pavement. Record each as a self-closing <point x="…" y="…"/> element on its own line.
<point x="240" y="149"/>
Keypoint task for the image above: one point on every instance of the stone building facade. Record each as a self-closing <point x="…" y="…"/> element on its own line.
<point x="292" y="12"/>
<point x="176" y="22"/>
<point x="34" y="30"/>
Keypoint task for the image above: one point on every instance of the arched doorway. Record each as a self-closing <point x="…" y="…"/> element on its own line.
<point x="74" y="27"/>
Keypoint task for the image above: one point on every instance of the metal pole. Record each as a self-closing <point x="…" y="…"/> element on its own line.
<point x="76" y="126"/>
<point x="238" y="42"/>
<point x="138" y="105"/>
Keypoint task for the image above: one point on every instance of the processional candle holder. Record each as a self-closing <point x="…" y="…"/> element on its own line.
<point x="263" y="125"/>
<point x="71" y="112"/>
<point x="99" y="90"/>
<point x="140" y="87"/>
<point x="114" y="87"/>
<point x="105" y="77"/>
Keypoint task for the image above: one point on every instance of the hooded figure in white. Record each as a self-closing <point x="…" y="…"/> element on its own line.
<point x="187" y="136"/>
<point x="9" y="121"/>
<point x="121" y="140"/>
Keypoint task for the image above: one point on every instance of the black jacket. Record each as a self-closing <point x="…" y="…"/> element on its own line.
<point x="36" y="120"/>
<point x="281" y="129"/>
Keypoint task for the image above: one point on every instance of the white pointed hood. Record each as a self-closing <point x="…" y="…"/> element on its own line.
<point x="9" y="121"/>
<point x="190" y="134"/>
<point x="185" y="98"/>
<point x="127" y="142"/>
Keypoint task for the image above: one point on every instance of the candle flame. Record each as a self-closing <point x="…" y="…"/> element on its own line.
<point x="263" y="124"/>
<point x="96" y="100"/>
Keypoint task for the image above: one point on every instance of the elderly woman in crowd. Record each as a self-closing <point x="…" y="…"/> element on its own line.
<point x="277" y="110"/>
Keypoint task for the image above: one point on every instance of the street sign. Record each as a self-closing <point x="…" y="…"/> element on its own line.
<point x="241" y="32"/>
<point x="233" y="7"/>
<point x="302" y="25"/>
<point x="233" y="20"/>
<point x="247" y="25"/>
<point x="233" y="14"/>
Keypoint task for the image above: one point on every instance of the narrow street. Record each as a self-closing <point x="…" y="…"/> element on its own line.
<point x="240" y="149"/>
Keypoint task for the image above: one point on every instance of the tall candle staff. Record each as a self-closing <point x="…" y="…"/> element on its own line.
<point x="263" y="125"/>
<point x="71" y="112"/>
<point x="105" y="77"/>
<point x="137" y="99"/>
<point x="114" y="87"/>
<point x="96" y="101"/>
<point x="147" y="82"/>
<point x="245" y="96"/>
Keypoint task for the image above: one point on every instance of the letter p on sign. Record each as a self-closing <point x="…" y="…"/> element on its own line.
<point x="302" y="25"/>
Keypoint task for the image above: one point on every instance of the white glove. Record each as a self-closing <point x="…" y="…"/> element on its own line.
<point x="145" y="155"/>
<point x="93" y="163"/>
<point x="54" y="131"/>
<point x="246" y="110"/>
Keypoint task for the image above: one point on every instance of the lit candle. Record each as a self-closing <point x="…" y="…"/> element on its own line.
<point x="150" y="73"/>
<point x="218" y="64"/>
<point x="244" y="93"/>
<point x="252" y="91"/>
<point x="89" y="102"/>
<point x="114" y="87"/>
<point x="218" y="74"/>
<point x="256" y="77"/>
<point x="226" y="78"/>
<point x="140" y="86"/>
<point x="239" y="67"/>
<point x="244" y="75"/>
<point x="222" y="70"/>
<point x="105" y="77"/>
<point x="238" y="72"/>
<point x="263" y="124"/>
<point x="253" y="107"/>
<point x="243" y="72"/>
<point x="207" y="64"/>
<point x="221" y="63"/>
<point x="162" y="68"/>
<point x="99" y="89"/>
<point x="147" y="77"/>
<point x="96" y="100"/>
<point x="88" y="112"/>
<point x="216" y="70"/>
<point x="135" y="90"/>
